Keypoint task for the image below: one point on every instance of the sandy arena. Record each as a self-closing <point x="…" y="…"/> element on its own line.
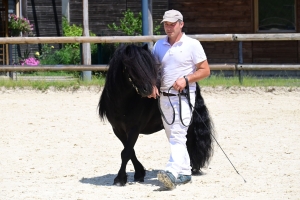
<point x="54" y="146"/>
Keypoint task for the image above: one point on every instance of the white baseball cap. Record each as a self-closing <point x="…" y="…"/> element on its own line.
<point x="172" y="16"/>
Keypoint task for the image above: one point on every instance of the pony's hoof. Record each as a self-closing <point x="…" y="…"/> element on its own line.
<point x="197" y="172"/>
<point x="120" y="182"/>
<point x="139" y="179"/>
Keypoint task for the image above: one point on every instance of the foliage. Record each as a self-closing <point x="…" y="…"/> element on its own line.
<point x="26" y="59"/>
<point x="74" y="30"/>
<point x="47" y="55"/>
<point x="131" y="25"/>
<point x="26" y="54"/>
<point x="17" y="25"/>
<point x="70" y="53"/>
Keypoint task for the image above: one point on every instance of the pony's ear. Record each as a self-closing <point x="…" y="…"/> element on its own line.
<point x="145" y="46"/>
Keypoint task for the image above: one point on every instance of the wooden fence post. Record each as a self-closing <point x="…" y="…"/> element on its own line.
<point x="86" y="47"/>
<point x="241" y="73"/>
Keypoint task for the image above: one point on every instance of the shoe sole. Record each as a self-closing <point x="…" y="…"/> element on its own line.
<point x="164" y="178"/>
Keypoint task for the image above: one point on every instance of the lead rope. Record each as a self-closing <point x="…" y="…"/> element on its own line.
<point x="187" y="89"/>
<point x="191" y="106"/>
<point x="187" y="95"/>
<point x="161" y="112"/>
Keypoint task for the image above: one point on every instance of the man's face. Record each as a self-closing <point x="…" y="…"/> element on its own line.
<point x="172" y="29"/>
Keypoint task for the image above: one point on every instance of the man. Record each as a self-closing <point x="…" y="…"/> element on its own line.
<point x="182" y="59"/>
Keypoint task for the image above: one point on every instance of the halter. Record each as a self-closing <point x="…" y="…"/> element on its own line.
<point x="187" y="95"/>
<point x="130" y="80"/>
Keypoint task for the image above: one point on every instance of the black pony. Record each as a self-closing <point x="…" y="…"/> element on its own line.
<point x="132" y="73"/>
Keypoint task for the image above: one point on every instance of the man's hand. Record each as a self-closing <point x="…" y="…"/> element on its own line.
<point x="155" y="93"/>
<point x="179" y="84"/>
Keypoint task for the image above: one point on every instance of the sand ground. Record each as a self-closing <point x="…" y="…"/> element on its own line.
<point x="54" y="146"/>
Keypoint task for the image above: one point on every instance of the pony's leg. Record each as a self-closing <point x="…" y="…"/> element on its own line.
<point x="127" y="154"/>
<point x="139" y="169"/>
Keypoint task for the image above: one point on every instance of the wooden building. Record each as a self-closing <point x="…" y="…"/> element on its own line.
<point x="45" y="15"/>
<point x="3" y="31"/>
<point x="200" y="17"/>
<point x="214" y="17"/>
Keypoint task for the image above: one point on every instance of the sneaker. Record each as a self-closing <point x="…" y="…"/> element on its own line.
<point x="183" y="179"/>
<point x="167" y="178"/>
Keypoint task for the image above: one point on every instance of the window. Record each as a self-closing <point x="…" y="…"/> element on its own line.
<point x="275" y="15"/>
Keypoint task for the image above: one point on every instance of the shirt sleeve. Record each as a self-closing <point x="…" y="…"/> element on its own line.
<point x="154" y="52"/>
<point x="198" y="54"/>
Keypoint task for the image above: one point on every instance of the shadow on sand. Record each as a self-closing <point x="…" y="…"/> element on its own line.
<point x="108" y="179"/>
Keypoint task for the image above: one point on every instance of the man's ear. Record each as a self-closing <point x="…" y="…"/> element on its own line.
<point x="182" y="24"/>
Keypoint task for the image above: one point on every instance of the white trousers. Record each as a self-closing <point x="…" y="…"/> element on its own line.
<point x="179" y="161"/>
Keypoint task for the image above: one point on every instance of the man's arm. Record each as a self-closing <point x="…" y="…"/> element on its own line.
<point x="202" y="72"/>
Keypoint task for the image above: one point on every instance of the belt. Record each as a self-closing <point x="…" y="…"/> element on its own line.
<point x="170" y="94"/>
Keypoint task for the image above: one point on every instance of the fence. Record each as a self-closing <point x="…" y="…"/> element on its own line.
<point x="240" y="66"/>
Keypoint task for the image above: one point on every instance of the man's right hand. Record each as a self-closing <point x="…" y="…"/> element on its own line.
<point x="155" y="93"/>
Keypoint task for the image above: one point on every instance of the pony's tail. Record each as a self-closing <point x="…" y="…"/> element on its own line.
<point x="102" y="105"/>
<point x="200" y="135"/>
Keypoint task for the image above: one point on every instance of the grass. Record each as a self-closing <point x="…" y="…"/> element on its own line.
<point x="46" y="73"/>
<point x="44" y="85"/>
<point x="250" y="81"/>
<point x="212" y="81"/>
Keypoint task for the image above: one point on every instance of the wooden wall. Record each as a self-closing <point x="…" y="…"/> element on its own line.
<point x="45" y="13"/>
<point x="101" y="13"/>
<point x="278" y="51"/>
<point x="233" y="16"/>
<point x="215" y="16"/>
<point x="298" y="26"/>
<point x="200" y="17"/>
<point x="104" y="12"/>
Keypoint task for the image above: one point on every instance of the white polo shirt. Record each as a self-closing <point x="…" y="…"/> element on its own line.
<point x="178" y="60"/>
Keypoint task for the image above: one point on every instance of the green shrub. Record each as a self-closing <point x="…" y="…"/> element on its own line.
<point x="70" y="52"/>
<point x="131" y="25"/>
<point x="73" y="48"/>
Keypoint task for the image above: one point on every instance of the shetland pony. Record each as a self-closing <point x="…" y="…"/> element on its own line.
<point x="132" y="73"/>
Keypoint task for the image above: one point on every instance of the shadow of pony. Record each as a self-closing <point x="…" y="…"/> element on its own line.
<point x="107" y="180"/>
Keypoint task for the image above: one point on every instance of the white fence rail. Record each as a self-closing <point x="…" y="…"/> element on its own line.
<point x="132" y="39"/>
<point x="154" y="38"/>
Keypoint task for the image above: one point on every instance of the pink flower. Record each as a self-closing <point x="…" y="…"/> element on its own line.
<point x="31" y="61"/>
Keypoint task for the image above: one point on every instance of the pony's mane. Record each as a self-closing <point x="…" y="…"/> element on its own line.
<point x="136" y="62"/>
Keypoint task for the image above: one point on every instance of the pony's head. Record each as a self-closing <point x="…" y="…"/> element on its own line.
<point x="137" y="67"/>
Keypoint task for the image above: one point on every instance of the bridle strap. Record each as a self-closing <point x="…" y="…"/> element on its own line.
<point x="187" y="95"/>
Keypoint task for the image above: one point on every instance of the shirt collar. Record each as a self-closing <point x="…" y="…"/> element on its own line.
<point x="180" y="41"/>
